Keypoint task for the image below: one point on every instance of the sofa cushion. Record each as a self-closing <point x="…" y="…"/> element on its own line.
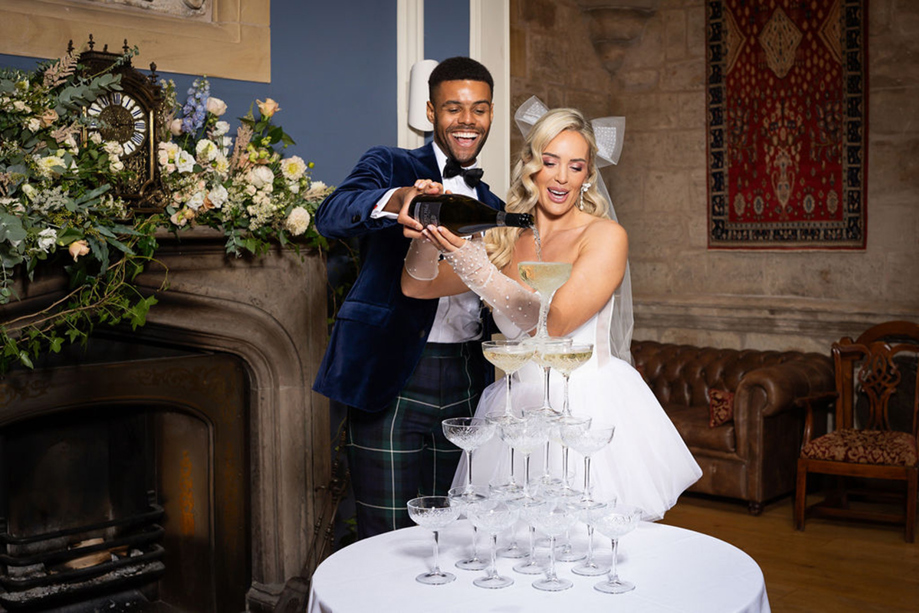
<point x="720" y="407"/>
<point x="693" y="425"/>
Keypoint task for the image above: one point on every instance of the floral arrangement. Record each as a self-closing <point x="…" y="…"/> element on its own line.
<point x="57" y="205"/>
<point x="243" y="186"/>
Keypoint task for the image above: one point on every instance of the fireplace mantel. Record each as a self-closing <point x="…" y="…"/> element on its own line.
<point x="270" y="312"/>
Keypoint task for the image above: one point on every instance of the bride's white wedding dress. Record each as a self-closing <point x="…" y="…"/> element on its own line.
<point x="646" y="464"/>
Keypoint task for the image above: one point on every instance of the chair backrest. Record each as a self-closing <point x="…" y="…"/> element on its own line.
<point x="872" y="367"/>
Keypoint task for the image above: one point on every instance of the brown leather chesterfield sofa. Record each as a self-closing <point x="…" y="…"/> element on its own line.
<point x="753" y="456"/>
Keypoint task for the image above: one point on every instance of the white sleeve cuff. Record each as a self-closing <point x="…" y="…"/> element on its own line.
<point x="378" y="212"/>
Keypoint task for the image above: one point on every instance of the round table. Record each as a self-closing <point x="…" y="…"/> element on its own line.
<point x="673" y="570"/>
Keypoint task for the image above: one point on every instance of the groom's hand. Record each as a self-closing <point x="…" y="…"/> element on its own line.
<point x="403" y="196"/>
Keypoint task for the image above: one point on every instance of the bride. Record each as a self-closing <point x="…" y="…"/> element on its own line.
<point x="557" y="181"/>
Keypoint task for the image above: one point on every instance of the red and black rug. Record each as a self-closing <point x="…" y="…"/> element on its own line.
<point x="788" y="124"/>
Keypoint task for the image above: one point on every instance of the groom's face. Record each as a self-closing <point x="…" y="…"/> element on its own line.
<point x="461" y="112"/>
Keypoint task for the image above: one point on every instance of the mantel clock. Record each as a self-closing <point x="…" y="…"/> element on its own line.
<point x="133" y="118"/>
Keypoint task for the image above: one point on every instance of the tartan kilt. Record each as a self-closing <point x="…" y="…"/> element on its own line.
<point x="401" y="452"/>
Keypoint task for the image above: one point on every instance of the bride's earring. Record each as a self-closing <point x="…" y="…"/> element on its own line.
<point x="584" y="188"/>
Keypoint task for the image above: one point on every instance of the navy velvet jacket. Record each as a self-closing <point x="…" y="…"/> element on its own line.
<point x="379" y="333"/>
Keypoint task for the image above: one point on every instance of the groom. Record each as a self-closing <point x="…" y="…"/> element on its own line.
<point x="403" y="365"/>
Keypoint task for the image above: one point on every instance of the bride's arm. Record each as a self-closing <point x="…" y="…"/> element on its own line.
<point x="468" y="261"/>
<point x="597" y="270"/>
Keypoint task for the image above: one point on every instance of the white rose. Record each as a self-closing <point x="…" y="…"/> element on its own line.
<point x="218" y="196"/>
<point x="46" y="239"/>
<point x="185" y="162"/>
<point x="96" y="138"/>
<point x="293" y="168"/>
<point x="206" y="150"/>
<point x="221" y="128"/>
<point x="293" y="187"/>
<point x="196" y="201"/>
<point x="34" y="124"/>
<point x="113" y="148"/>
<point x="216" y="106"/>
<point x="250" y="190"/>
<point x="29" y="191"/>
<point x="260" y="177"/>
<point x="175" y="128"/>
<point x="116" y="165"/>
<point x="298" y="221"/>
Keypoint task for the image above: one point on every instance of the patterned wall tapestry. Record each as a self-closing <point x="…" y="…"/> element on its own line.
<point x="787" y="110"/>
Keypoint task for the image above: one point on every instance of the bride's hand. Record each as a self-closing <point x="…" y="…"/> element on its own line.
<point x="443" y="239"/>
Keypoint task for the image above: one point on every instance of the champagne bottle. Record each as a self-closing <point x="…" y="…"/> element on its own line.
<point x="463" y="215"/>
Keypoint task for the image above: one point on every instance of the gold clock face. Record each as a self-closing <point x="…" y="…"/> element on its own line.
<point x="120" y="118"/>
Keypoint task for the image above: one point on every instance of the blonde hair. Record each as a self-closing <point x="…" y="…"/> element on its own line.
<point x="523" y="194"/>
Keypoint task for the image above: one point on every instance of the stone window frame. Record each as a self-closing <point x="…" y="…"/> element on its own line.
<point x="234" y="44"/>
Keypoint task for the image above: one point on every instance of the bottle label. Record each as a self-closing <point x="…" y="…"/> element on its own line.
<point x="428" y="213"/>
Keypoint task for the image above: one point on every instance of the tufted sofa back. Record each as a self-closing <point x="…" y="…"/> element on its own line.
<point x="683" y="374"/>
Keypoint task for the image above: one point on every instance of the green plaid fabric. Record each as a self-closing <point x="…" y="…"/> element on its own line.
<point x="401" y="452"/>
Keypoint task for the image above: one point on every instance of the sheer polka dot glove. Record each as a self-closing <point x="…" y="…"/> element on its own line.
<point x="503" y="294"/>
<point x="422" y="260"/>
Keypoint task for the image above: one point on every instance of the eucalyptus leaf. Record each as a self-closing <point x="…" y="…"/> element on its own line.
<point x="11" y="228"/>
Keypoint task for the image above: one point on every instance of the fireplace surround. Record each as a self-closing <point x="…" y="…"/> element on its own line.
<point x="217" y="389"/>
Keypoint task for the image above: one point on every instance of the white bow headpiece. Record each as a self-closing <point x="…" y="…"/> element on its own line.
<point x="609" y="131"/>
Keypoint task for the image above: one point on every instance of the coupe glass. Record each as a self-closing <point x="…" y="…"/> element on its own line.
<point x="460" y="497"/>
<point x="545" y="278"/>
<point x="468" y="433"/>
<point x="492" y="517"/>
<point x="528" y="510"/>
<point x="434" y="513"/>
<point x="547" y="346"/>
<point x="525" y="435"/>
<point x="509" y="356"/>
<point x="573" y="423"/>
<point x="553" y="518"/>
<point x="620" y="519"/>
<point x="566" y="359"/>
<point x="588" y="442"/>
<point x="589" y="513"/>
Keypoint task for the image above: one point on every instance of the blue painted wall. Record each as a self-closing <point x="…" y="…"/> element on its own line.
<point x="333" y="71"/>
<point x="446" y="29"/>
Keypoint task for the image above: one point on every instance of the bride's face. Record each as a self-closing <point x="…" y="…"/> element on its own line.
<point x="564" y="170"/>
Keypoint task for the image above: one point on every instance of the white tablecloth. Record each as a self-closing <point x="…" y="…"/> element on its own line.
<point x="674" y="570"/>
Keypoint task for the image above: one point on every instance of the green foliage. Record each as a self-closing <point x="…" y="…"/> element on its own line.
<point x="57" y="205"/>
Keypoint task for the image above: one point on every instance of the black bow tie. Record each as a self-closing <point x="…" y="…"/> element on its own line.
<point x="471" y="176"/>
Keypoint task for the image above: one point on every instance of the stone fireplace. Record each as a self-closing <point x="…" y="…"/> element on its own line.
<point x="179" y="464"/>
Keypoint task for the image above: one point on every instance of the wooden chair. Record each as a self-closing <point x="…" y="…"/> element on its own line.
<point x="869" y="371"/>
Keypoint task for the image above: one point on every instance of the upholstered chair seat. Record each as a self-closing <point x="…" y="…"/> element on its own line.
<point x="882" y="447"/>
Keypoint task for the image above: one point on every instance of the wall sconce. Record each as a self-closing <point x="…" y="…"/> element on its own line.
<point x="418" y="95"/>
